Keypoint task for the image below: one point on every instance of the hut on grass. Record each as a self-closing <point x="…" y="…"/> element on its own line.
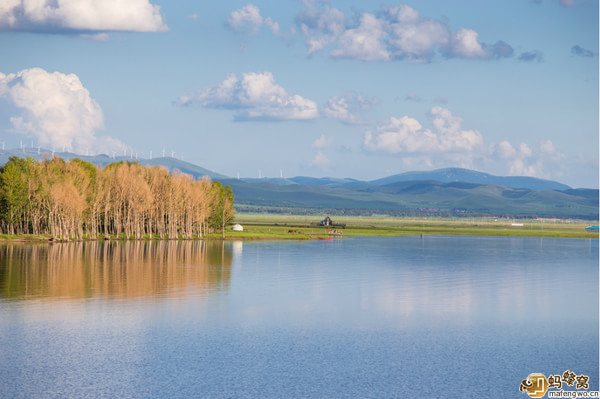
<point x="237" y="227"/>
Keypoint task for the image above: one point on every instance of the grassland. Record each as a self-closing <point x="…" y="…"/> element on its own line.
<point x="279" y="226"/>
<point x="298" y="227"/>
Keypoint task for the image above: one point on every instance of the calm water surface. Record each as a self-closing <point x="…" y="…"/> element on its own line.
<point x="369" y="317"/>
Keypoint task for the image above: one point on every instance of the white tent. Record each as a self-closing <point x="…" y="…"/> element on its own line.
<point x="237" y="227"/>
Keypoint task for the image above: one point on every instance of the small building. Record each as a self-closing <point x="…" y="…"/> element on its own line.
<point x="592" y="229"/>
<point x="327" y="221"/>
<point x="237" y="227"/>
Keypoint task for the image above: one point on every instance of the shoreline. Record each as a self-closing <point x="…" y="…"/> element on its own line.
<point x="265" y="231"/>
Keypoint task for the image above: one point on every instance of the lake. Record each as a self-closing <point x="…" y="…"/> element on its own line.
<point x="439" y="316"/>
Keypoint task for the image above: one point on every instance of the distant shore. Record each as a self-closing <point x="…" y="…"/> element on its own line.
<point x="294" y="227"/>
<point x="388" y="226"/>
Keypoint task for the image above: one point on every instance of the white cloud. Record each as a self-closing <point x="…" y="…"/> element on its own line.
<point x="81" y="15"/>
<point x="403" y="14"/>
<point x="465" y="44"/>
<point x="543" y="161"/>
<point x="323" y="142"/>
<point x="344" y="108"/>
<point x="248" y="20"/>
<point x="397" y="32"/>
<point x="56" y="109"/>
<point x="364" y="42"/>
<point x="414" y="38"/>
<point x="406" y="135"/>
<point x="518" y="158"/>
<point x="320" y="26"/>
<point x="274" y="26"/>
<point x="449" y="144"/>
<point x="254" y="96"/>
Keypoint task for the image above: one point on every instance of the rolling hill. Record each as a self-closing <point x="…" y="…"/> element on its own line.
<point x="102" y="160"/>
<point x="449" y="175"/>
<point x="450" y="191"/>
<point x="422" y="197"/>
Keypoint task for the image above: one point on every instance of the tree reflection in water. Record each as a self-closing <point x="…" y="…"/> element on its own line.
<point x="91" y="270"/>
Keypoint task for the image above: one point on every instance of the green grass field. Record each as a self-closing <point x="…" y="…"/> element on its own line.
<point x="257" y="224"/>
<point x="296" y="227"/>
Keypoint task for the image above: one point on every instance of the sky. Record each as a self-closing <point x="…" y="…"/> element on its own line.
<point x="309" y="88"/>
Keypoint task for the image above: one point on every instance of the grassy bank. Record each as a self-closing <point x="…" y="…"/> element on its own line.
<point x="257" y="224"/>
<point x="295" y="227"/>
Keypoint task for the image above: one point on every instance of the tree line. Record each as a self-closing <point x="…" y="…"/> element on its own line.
<point x="76" y="199"/>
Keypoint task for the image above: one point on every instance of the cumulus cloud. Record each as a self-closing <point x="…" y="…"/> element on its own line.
<point x="247" y="20"/>
<point x="580" y="51"/>
<point x="254" y="97"/>
<point x="541" y="160"/>
<point x="56" y="109"/>
<point x="448" y="143"/>
<point x="323" y="142"/>
<point x="395" y="33"/>
<point x="406" y="135"/>
<point x="519" y="159"/>
<point x="345" y="107"/>
<point x="363" y="42"/>
<point x="81" y="16"/>
<point x="320" y="26"/>
<point x="532" y="56"/>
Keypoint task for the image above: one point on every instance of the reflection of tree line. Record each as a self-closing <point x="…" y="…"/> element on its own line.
<point x="116" y="270"/>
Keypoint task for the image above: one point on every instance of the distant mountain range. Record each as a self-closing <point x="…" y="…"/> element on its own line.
<point x="102" y="160"/>
<point x="450" y="191"/>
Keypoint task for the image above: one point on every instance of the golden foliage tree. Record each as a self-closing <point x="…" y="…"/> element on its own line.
<point x="75" y="199"/>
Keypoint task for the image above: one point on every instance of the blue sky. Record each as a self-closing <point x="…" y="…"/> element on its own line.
<point x="338" y="88"/>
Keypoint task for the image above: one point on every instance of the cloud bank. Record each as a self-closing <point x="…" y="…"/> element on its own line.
<point x="448" y="143"/>
<point x="254" y="97"/>
<point x="394" y="33"/>
<point x="406" y="135"/>
<point x="56" y="110"/>
<point x="80" y="16"/>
